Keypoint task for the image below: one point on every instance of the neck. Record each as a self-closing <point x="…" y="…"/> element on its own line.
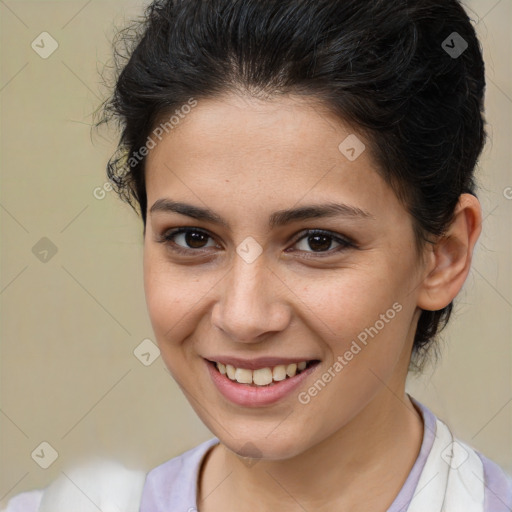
<point x="357" y="464"/>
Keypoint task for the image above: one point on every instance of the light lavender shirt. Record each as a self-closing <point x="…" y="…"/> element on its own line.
<point x="172" y="486"/>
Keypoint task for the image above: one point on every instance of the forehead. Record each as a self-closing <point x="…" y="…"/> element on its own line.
<point x="287" y="126"/>
<point x="248" y="151"/>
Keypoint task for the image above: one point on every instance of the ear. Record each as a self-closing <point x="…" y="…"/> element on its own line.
<point x="449" y="258"/>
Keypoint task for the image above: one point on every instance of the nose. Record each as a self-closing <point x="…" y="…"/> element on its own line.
<point x="253" y="302"/>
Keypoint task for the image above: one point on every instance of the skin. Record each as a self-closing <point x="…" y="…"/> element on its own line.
<point x="356" y="440"/>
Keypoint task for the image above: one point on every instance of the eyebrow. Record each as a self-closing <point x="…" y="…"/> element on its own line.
<point x="277" y="218"/>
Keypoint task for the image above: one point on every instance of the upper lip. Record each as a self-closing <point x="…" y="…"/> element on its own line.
<point x="258" y="362"/>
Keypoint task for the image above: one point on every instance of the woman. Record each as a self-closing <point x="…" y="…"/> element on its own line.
<point x="304" y="173"/>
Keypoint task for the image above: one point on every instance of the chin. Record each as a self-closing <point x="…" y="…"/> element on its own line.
<point x="273" y="447"/>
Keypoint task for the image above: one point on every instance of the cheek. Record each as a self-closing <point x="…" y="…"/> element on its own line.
<point x="346" y="302"/>
<point x="165" y="296"/>
<point x="361" y="317"/>
<point x="167" y="308"/>
<point x="364" y="324"/>
<point x="175" y="299"/>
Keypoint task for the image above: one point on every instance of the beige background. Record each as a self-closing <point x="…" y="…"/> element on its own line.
<point x="70" y="325"/>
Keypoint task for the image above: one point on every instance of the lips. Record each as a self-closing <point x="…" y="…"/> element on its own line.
<point x="261" y="391"/>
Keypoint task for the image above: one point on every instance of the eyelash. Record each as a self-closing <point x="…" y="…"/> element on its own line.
<point x="345" y="243"/>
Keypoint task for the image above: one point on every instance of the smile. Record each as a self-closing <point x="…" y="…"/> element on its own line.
<point x="262" y="385"/>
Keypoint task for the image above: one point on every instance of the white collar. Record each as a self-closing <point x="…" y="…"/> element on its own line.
<point x="452" y="479"/>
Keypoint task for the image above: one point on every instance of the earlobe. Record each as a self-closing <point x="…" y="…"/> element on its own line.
<point x="451" y="255"/>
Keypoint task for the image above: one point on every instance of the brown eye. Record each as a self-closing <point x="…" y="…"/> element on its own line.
<point x="187" y="239"/>
<point x="319" y="241"/>
<point x="195" y="239"/>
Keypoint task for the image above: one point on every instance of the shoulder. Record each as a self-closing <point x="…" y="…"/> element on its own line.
<point x="86" y="487"/>
<point x="498" y="486"/>
<point x="175" y="482"/>
<point x="110" y="486"/>
<point x="496" y="482"/>
<point x="25" y="502"/>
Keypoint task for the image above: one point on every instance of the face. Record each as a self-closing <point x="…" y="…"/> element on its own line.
<point x="257" y="269"/>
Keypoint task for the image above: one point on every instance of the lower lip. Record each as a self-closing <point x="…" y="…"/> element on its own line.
<point x="252" y="396"/>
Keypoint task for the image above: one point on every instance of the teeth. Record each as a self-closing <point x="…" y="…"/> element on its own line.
<point x="279" y="372"/>
<point x="291" y="370"/>
<point x="261" y="376"/>
<point x="230" y="370"/>
<point x="243" y="376"/>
